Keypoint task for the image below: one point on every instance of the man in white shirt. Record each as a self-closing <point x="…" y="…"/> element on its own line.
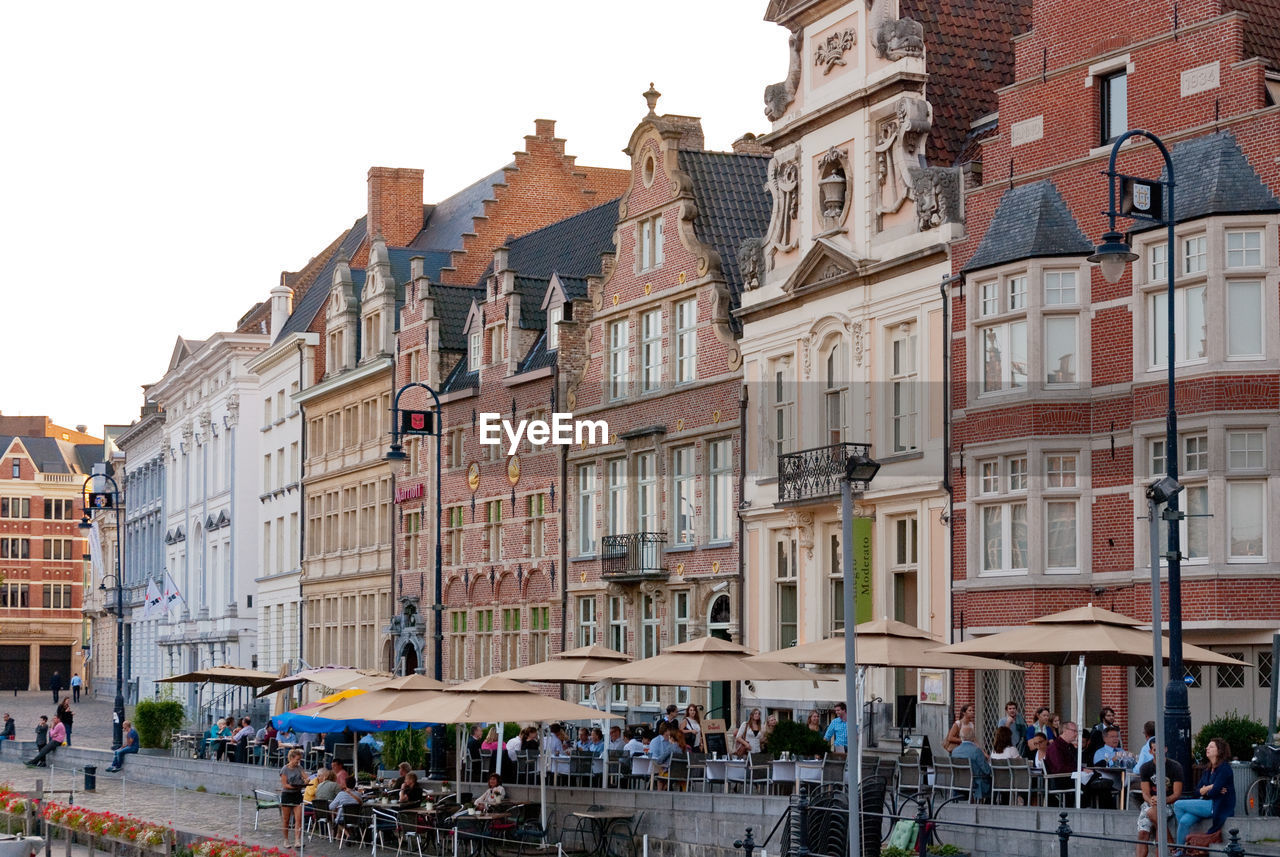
<point x="555" y="740"/>
<point x="636" y="745"/>
<point x="615" y="739"/>
<point x="514" y="746"/>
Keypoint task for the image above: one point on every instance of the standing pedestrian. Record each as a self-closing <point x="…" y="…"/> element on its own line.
<point x="65" y="716"/>
<point x="76" y="681"/>
<point x="55" y="685"/>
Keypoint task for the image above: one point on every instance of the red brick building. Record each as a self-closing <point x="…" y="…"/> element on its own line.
<point x="1057" y="377"/>
<point x="653" y="533"/>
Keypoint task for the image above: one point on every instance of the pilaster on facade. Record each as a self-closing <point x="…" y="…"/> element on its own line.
<point x="1058" y="378"/>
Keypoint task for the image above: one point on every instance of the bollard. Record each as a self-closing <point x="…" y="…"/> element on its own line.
<point x="802" y="827"/>
<point x="90" y="778"/>
<point x="1064" y="835"/>
<point x="924" y="828"/>
<point x="240" y="816"/>
<point x="1234" y="848"/>
<point x="746" y="843"/>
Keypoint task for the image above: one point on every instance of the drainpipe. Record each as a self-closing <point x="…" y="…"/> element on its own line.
<point x="946" y="460"/>
<point x="564" y="526"/>
<point x="736" y="702"/>
<point x="302" y="497"/>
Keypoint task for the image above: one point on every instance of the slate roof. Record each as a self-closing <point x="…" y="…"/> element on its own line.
<point x="44" y="451"/>
<point x="1214" y="177"/>
<point x="448" y="219"/>
<point x="968" y="55"/>
<point x="313" y="299"/>
<point x="575" y="288"/>
<point x="460" y="378"/>
<point x="572" y="246"/>
<point x="538" y="357"/>
<point x="733" y="205"/>
<point x="1031" y="221"/>
<point x="452" y="304"/>
<point x="432" y="262"/>
<point x="532" y="290"/>
<point x="87" y="454"/>
<point x="1262" y="31"/>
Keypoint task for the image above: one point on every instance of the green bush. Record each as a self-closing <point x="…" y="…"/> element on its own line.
<point x="405" y="745"/>
<point x="1238" y="731"/>
<point x="792" y="737"/>
<point x="156" y="720"/>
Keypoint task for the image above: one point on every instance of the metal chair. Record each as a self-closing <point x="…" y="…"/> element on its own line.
<point x="527" y="767"/>
<point x="909" y="778"/>
<point x="263" y="800"/>
<point x="581" y="769"/>
<point x="1020" y="780"/>
<point x="757" y="771"/>
<point x="1001" y="781"/>
<point x="320" y="816"/>
<point x="355" y="822"/>
<point x="961" y="778"/>
<point x="677" y="772"/>
<point x="942" y="773"/>
<point x="381" y="822"/>
<point x="697" y="771"/>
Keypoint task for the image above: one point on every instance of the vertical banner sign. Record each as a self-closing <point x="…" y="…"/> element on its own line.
<point x="862" y="570"/>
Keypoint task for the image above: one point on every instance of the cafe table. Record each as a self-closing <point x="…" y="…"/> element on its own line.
<point x="782" y="772"/>
<point x="601" y="821"/>
<point x="717" y="773"/>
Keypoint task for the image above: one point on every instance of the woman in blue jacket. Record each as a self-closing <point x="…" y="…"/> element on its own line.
<point x="1215" y="793"/>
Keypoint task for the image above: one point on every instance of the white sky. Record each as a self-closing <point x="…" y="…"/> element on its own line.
<point x="163" y="162"/>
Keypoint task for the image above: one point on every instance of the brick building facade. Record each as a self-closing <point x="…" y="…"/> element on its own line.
<point x="1057" y="377"/>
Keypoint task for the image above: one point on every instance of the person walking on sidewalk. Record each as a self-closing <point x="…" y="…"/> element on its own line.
<point x="55" y="685"/>
<point x="130" y="746"/>
<point x="65" y="716"/>
<point x="76" y="681"/>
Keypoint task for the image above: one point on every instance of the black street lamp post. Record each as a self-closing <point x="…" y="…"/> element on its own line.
<point x="1152" y="201"/>
<point x="426" y="423"/>
<point x="101" y="501"/>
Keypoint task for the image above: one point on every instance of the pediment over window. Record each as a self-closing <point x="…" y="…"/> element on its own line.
<point x="824" y="264"/>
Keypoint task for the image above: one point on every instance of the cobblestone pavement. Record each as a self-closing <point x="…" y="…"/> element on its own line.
<point x="91" y="726"/>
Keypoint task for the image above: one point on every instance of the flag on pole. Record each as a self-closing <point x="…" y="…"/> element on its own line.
<point x="154" y="599"/>
<point x="171" y="593"/>
<point x="95" y="550"/>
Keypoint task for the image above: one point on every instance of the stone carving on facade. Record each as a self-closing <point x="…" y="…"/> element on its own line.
<point x="900" y="140"/>
<point x="859" y="337"/>
<point x="899" y="38"/>
<point x="778" y="96"/>
<point x="784" y="185"/>
<point x="830" y="52"/>
<point x="802" y="523"/>
<point x="655" y="589"/>
<point x="937" y="195"/>
<point x="187" y="432"/>
<point x="751" y="263"/>
<point x="834" y="187"/>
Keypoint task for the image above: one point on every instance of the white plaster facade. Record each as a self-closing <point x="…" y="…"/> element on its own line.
<point x="214" y="413"/>
<point x="282" y="371"/>
<point x="842" y="342"/>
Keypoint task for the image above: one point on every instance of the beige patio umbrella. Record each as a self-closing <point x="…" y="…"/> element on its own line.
<point x="1086" y="636"/>
<point x="225" y="674"/>
<point x="883" y="643"/>
<point x="374" y="704"/>
<point x="330" y="677"/>
<point x="701" y="660"/>
<point x="571" y="667"/>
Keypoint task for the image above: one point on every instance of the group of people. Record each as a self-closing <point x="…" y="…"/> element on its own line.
<point x="56" y="686"/>
<point x="49" y="735"/>
<point x="1050" y="745"/>
<point x="336" y="786"/>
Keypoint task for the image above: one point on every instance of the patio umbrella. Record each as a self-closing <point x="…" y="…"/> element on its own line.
<point x="1086" y="636"/>
<point x="701" y="660"/>
<point x="331" y="676"/>
<point x="225" y="674"/>
<point x="882" y="643"/>
<point x="307" y="717"/>
<point x="492" y="699"/>
<point x="571" y="667"/>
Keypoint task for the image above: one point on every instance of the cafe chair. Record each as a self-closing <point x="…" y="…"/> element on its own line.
<point x="697" y="771"/>
<point x="381" y="822"/>
<point x="263" y="800"/>
<point x="578" y="835"/>
<point x="319" y="816"/>
<point x="758" y="770"/>
<point x="527" y="830"/>
<point x="355" y="824"/>
<point x="1001" y="781"/>
<point x="527" y="767"/>
<point x="833" y="767"/>
<point x="581" y="769"/>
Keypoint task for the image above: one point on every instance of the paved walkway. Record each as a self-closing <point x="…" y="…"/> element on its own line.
<point x="91" y="726"/>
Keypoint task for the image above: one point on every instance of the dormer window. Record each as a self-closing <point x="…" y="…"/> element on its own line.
<point x="474" y="344"/>
<point x="650" y="245"/>
<point x="554" y="315"/>
<point x="498" y="343"/>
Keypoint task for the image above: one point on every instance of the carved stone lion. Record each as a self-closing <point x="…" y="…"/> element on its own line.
<point x="901" y="38"/>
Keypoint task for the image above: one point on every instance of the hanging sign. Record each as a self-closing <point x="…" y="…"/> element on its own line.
<point x="862" y="570"/>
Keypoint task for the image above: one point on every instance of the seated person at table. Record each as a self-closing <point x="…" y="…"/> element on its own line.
<point x="1003" y="746"/>
<point x="615" y="739"/>
<point x="344" y="798"/>
<point x="660" y="747"/>
<point x="302" y="739"/>
<point x="492" y="796"/>
<point x="217" y="731"/>
<point x="636" y="745"/>
<point x="340" y="773"/>
<point x="584" y="739"/>
<point x="555" y="740"/>
<point x="595" y="745"/>
<point x="1110" y="746"/>
<point x="246" y="730"/>
<point x="1036" y="745"/>
<point x="1060" y="757"/>
<point x="1172" y="792"/>
<point x="404" y="768"/>
<point x="515" y="745"/>
<point x="411" y="793"/>
<point x="57" y="735"/>
<point x="977" y="759"/>
<point x="474" y="743"/>
<point x="529" y="740"/>
<point x="327" y="787"/>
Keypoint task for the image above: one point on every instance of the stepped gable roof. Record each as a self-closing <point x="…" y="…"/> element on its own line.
<point x="968" y="56"/>
<point x="448" y="220"/>
<point x="460" y="378"/>
<point x="317" y="289"/>
<point x="1031" y="221"/>
<point x="538" y="357"/>
<point x="45" y="453"/>
<point x="452" y="303"/>
<point x="733" y="205"/>
<point x="1214" y="177"/>
<point x="572" y="246"/>
<point x="1262" y="32"/>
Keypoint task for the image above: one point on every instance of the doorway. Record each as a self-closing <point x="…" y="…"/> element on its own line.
<point x="718" y="626"/>
<point x="409" y="657"/>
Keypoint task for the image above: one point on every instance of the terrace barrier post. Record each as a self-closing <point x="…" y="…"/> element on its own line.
<point x="1234" y="848"/>
<point x="746" y="843"/>
<point x="924" y="829"/>
<point x="1064" y="836"/>
<point x="802" y="827"/>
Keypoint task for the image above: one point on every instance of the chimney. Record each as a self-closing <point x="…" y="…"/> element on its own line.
<point x="500" y="255"/>
<point x="281" y="307"/>
<point x="395" y="204"/>
<point x="690" y="128"/>
<point x="416" y="267"/>
<point x="83" y="429"/>
<point x="749" y="144"/>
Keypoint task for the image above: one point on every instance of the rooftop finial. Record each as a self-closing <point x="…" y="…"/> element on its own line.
<point x="651" y="98"/>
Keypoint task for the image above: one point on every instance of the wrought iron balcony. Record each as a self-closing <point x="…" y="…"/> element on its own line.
<point x="634" y="556"/>
<point x="815" y="474"/>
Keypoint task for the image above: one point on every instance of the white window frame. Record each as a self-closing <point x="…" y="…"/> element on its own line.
<point x="588" y="624"/>
<point x="1158" y="325"/>
<point x="650" y="245"/>
<point x="1002" y="486"/>
<point x="1253" y="315"/>
<point x="475" y="342"/>
<point x="617" y="520"/>
<point x="904" y="380"/>
<point x="1250" y="242"/>
<point x="687" y="341"/>
<point x="1194" y="255"/>
<point x="720" y="489"/>
<point x="784" y="560"/>
<point x="586" y="510"/>
<point x="683" y="495"/>
<point x="651" y="351"/>
<point x="619" y="358"/>
<point x="650" y="641"/>
<point x="1062" y="489"/>
<point x="555" y="315"/>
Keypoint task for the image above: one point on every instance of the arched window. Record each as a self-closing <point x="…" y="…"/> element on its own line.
<point x="835" y="393"/>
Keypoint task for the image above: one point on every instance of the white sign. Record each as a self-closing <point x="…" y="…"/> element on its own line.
<point x="1027" y="131"/>
<point x="1200" y="79"/>
<point x="563" y="430"/>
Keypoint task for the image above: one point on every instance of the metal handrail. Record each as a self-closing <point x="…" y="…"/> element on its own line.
<point x="815" y="473"/>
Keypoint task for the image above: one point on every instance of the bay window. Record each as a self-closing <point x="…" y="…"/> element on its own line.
<point x="1002" y="515"/>
<point x="1004" y="356"/>
<point x="1061" y="526"/>
<point x="1244" y="318"/>
<point x="1188" y="324"/>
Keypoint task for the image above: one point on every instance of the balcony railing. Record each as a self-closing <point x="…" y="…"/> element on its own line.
<point x="815" y="474"/>
<point x="633" y="556"/>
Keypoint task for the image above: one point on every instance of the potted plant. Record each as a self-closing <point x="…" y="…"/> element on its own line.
<point x="797" y="739"/>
